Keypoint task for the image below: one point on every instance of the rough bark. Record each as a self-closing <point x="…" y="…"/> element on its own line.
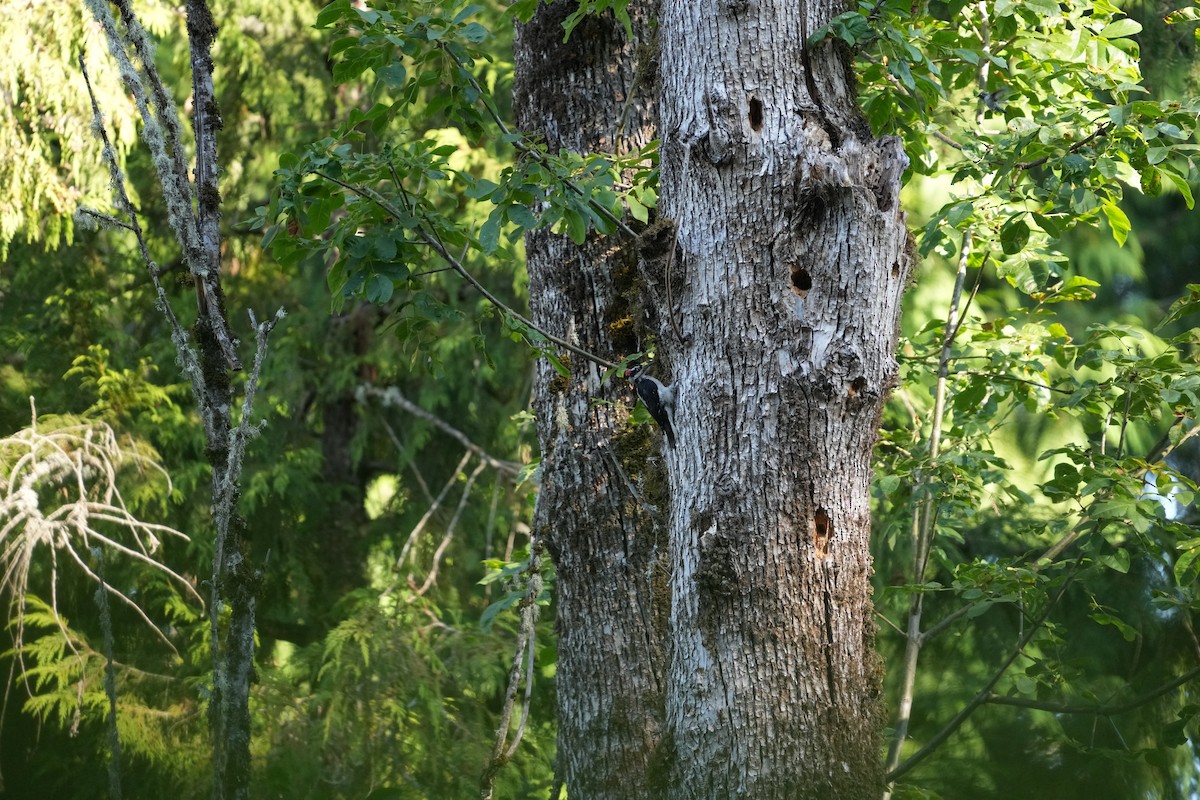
<point x="606" y="543"/>
<point x="791" y="265"/>
<point x="235" y="580"/>
<point x="770" y="285"/>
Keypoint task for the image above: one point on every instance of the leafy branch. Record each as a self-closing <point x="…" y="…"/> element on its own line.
<point x="435" y="242"/>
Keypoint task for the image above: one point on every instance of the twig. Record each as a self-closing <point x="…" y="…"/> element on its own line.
<point x="433" y="241"/>
<point x="1125" y="413"/>
<point x="922" y="518"/>
<point x="195" y="228"/>
<point x="999" y="376"/>
<point x="429" y="512"/>
<point x="391" y="397"/>
<point x="245" y="429"/>
<point x="982" y="695"/>
<point x="1037" y="162"/>
<point x="1091" y="708"/>
<point x="534" y="153"/>
<point x="187" y="356"/>
<point x="400" y="448"/>
<point x="449" y="535"/>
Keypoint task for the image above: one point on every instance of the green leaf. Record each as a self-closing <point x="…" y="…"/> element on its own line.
<point x="1188" y="304"/>
<point x="1121" y="28"/>
<point x="1050" y="224"/>
<point x="385" y="247"/>
<point x="393" y="74"/>
<point x="1118" y="561"/>
<point x="1186" y="567"/>
<point x="557" y="363"/>
<point x="1127" y="631"/>
<point x="480" y="189"/>
<point x="576" y="225"/>
<point x="637" y="210"/>
<point x="1014" y="236"/>
<point x="1076" y="287"/>
<point x="1117" y="222"/>
<point x="522" y="216"/>
<point x="523" y="9"/>
<point x="960" y="213"/>
<point x="331" y="13"/>
<point x="379" y="289"/>
<point x="1182" y="15"/>
<point x="474" y="33"/>
<point x="489" y="235"/>
<point x="888" y="484"/>
<point x="1182" y="185"/>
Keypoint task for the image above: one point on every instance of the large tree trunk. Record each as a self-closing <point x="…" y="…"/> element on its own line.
<point x="792" y="265"/>
<point x="783" y="252"/>
<point x="609" y="550"/>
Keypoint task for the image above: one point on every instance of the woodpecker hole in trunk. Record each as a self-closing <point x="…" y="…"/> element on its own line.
<point x="801" y="281"/>
<point x="856" y="386"/>
<point x="822" y="533"/>
<point x="756" y="113"/>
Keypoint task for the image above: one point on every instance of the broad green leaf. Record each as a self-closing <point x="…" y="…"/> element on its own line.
<point x="576" y="225"/>
<point x="489" y="235"/>
<point x="1188" y="304"/>
<point x="960" y="213"/>
<point x="636" y="209"/>
<point x="332" y="12"/>
<point x="1182" y="185"/>
<point x="1118" y="223"/>
<point x="1014" y="236"/>
<point x="393" y="74"/>
<point x="379" y="289"/>
<point x="1121" y="28"/>
<point x="1118" y="561"/>
<point x="522" y="216"/>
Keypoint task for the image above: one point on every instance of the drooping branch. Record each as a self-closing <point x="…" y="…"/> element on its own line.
<point x="523" y="653"/>
<point x="439" y="247"/>
<point x="81" y="463"/>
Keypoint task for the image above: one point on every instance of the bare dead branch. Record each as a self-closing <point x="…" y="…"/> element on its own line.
<point x="391" y="396"/>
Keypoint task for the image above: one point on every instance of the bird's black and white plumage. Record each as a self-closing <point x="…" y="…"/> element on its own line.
<point x="658" y="399"/>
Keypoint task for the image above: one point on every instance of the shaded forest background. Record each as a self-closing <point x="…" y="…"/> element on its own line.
<point x="390" y="490"/>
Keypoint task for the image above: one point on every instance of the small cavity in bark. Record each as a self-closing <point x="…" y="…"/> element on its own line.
<point x="822" y="533"/>
<point x="756" y="114"/>
<point x="801" y="281"/>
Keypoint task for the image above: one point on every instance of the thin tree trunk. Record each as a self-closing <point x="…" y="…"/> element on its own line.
<point x="608" y="545"/>
<point x="235" y="579"/>
<point x="792" y="265"/>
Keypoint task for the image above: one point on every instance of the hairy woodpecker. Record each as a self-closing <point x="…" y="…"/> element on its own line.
<point x="658" y="399"/>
